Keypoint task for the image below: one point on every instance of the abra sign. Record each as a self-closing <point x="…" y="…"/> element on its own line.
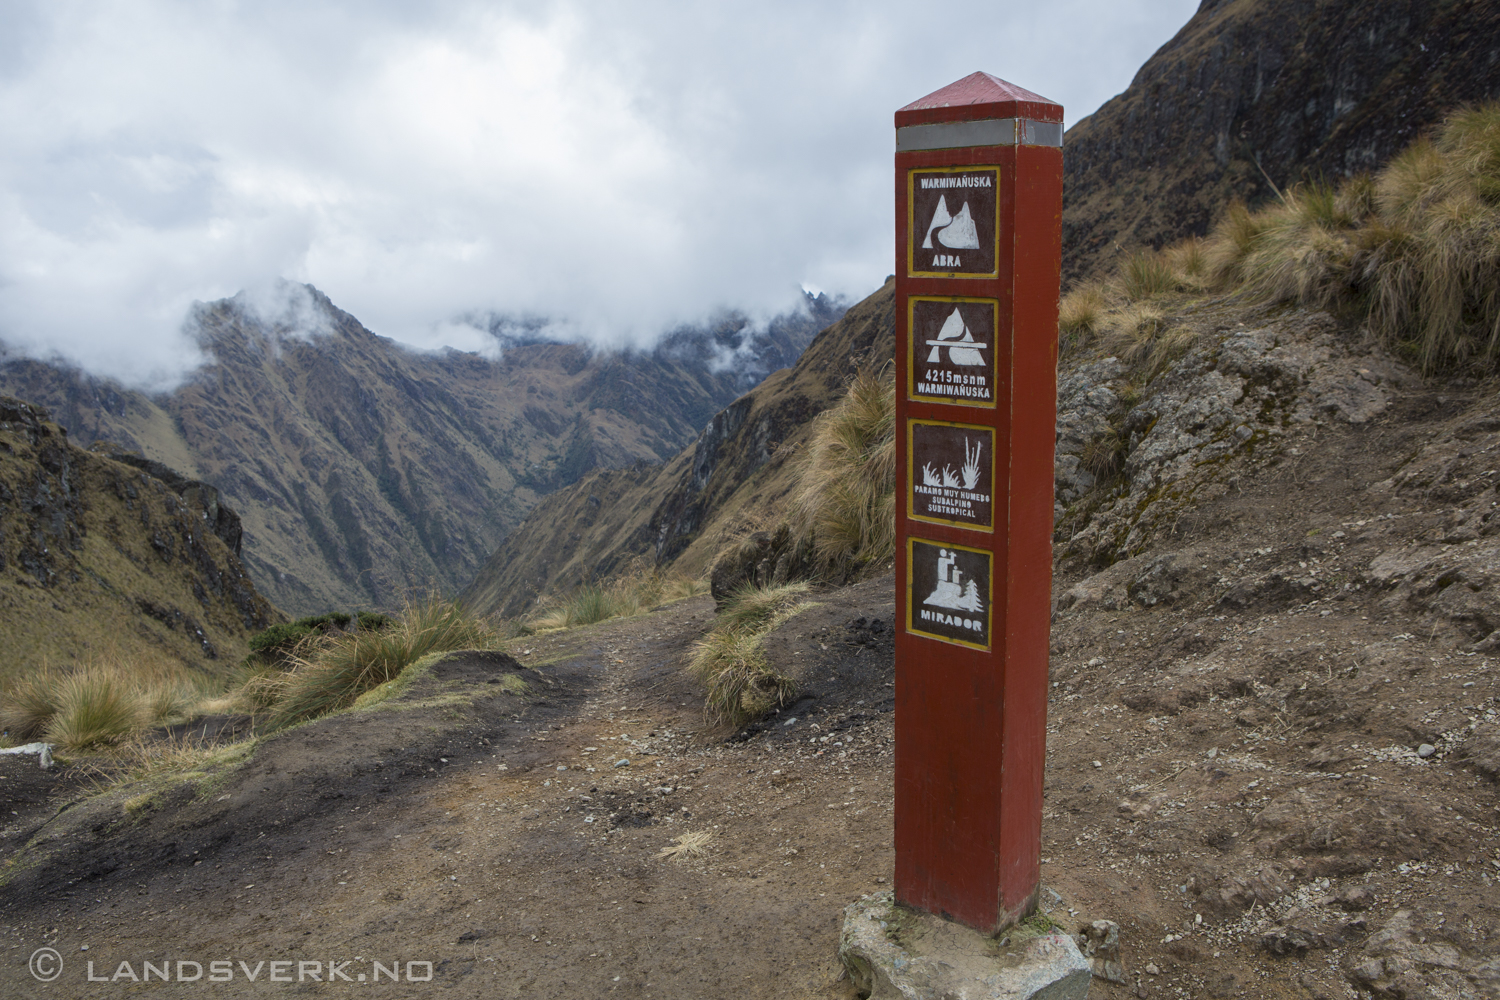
<point x="952" y="211"/>
<point x="978" y="256"/>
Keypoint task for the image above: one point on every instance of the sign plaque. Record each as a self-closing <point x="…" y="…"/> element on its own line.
<point x="978" y="186"/>
<point x="950" y="589"/>
<point x="953" y="225"/>
<point x="952" y="473"/>
<point x="954" y="351"/>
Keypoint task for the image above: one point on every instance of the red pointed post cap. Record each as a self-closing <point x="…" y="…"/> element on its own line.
<point x="976" y="96"/>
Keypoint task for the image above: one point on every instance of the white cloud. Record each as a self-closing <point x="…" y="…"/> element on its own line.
<point x="619" y="167"/>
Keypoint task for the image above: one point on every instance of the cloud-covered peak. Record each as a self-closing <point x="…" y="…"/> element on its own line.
<point x="619" y="169"/>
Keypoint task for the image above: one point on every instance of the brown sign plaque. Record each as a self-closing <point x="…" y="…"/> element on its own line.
<point x="954" y="226"/>
<point x="951" y="472"/>
<point x="953" y="350"/>
<point x="949" y="592"/>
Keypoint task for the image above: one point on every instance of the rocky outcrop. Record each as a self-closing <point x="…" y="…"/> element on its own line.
<point x="1243" y="385"/>
<point x="199" y="496"/>
<point x="100" y="559"/>
<point x="1255" y="93"/>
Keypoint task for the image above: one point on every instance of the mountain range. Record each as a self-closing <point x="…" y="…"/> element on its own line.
<point x="1249" y="96"/>
<point x="364" y="470"/>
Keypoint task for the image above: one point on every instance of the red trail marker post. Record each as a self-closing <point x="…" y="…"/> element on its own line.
<point x="978" y="263"/>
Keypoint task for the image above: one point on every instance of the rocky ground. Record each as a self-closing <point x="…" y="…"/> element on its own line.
<point x="1273" y="761"/>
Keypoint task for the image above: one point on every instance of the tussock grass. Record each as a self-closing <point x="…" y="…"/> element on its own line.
<point x="138" y="758"/>
<point x="846" y="491"/>
<point x="1104" y="457"/>
<point x="729" y="660"/>
<point x="95" y="707"/>
<point x="28" y="703"/>
<point x="639" y="589"/>
<point x="98" y="703"/>
<point x="1415" y="249"/>
<point x="1145" y="275"/>
<point x="332" y="671"/>
<point x="1081" y="310"/>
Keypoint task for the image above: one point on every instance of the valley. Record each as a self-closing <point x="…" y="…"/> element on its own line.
<point x="364" y="471"/>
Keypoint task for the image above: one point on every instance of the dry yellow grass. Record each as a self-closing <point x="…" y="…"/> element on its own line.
<point x="741" y="685"/>
<point x="101" y="701"/>
<point x="688" y="845"/>
<point x="1415" y="249"/>
<point x="846" y="492"/>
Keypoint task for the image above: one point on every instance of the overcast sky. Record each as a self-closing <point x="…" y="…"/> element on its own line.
<point x="617" y="166"/>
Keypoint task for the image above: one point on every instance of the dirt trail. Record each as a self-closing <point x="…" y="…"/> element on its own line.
<point x="451" y="834"/>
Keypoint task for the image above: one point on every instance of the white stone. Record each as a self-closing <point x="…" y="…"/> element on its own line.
<point x="894" y="953"/>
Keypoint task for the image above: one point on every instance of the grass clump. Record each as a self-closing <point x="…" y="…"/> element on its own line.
<point x="1145" y="275"/>
<point x="693" y="844"/>
<point x="1415" y="250"/>
<point x="100" y="702"/>
<point x="638" y="590"/>
<point x="28" y="703"/>
<point x="332" y="671"/>
<point x="845" y="497"/>
<point x="95" y="707"/>
<point x="277" y="644"/>
<point x="1082" y="310"/>
<point x="729" y="660"/>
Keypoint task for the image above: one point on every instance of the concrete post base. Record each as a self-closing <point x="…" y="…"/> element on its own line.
<point x="893" y="953"/>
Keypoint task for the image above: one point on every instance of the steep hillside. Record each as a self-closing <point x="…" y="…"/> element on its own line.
<point x="100" y="558"/>
<point x="732" y="481"/>
<point x="364" y="470"/>
<point x="1258" y="92"/>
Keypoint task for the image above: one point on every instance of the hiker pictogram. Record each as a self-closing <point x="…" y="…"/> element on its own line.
<point x="950" y="592"/>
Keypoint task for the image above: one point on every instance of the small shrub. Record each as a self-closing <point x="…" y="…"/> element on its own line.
<point x="279" y="639"/>
<point x="278" y="644"/>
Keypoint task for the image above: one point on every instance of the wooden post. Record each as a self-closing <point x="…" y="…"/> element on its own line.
<point x="978" y="264"/>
